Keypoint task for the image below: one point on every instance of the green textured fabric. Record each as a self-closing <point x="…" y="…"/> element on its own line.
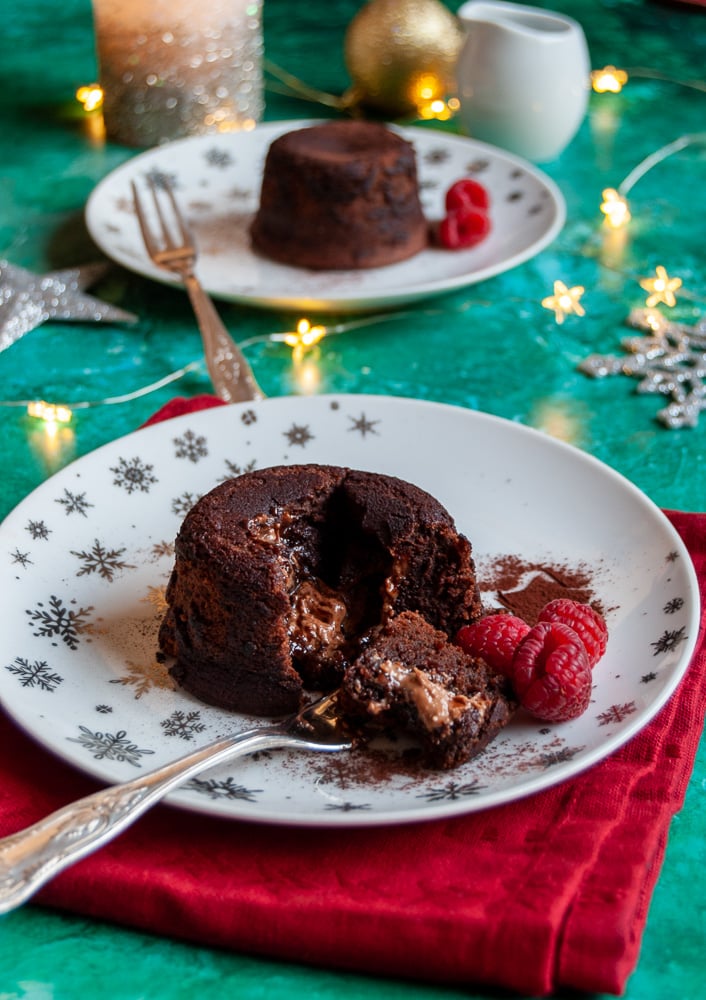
<point x="495" y="349"/>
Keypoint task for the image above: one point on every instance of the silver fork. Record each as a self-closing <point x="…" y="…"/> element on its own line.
<point x="33" y="856"/>
<point x="173" y="249"/>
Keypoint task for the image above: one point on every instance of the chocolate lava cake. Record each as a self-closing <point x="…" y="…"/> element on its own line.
<point x="410" y="678"/>
<point x="337" y="196"/>
<point x="279" y="573"/>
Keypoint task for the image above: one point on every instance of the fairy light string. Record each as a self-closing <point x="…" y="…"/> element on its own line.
<point x="670" y="358"/>
<point x="304" y="338"/>
<point x="615" y="204"/>
<point x="564" y="300"/>
<point x="63" y="412"/>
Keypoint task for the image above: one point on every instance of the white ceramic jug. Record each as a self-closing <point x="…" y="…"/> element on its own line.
<point x="523" y="77"/>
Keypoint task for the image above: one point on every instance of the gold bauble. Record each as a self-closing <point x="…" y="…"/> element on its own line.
<point x="401" y="54"/>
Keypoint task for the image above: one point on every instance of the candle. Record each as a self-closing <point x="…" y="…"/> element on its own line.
<point x="171" y="68"/>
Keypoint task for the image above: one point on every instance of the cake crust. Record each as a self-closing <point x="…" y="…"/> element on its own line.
<point x="342" y="195"/>
<point x="279" y="574"/>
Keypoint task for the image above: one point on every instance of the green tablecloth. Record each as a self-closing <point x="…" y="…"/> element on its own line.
<point x="495" y="349"/>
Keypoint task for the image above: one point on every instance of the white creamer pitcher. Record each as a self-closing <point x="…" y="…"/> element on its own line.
<point x="523" y="77"/>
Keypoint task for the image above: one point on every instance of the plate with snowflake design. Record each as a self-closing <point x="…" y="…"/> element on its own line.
<point x="86" y="557"/>
<point x="217" y="182"/>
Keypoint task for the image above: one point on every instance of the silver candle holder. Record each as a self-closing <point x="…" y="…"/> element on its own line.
<point x="173" y="68"/>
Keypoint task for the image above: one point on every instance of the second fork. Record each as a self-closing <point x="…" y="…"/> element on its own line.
<point x="172" y="247"/>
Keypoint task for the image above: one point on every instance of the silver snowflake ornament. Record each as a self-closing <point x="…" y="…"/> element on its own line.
<point x="669" y="360"/>
<point x="27" y="300"/>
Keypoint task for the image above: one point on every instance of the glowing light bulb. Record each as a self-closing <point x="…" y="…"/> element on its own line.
<point x="608" y="80"/>
<point x="615" y="208"/>
<point x="428" y="96"/>
<point x="51" y="437"/>
<point x="90" y="96"/>
<point x="427" y="87"/>
<point x="50" y="413"/>
<point x="438" y="110"/>
<point x="305" y="337"/>
<point x="661" y="288"/>
<point x="565" y="301"/>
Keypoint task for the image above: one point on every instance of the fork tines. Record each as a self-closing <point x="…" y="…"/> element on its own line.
<point x="166" y="239"/>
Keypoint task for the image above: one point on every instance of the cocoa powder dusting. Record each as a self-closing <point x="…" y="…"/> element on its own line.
<point x="377" y="765"/>
<point x="524" y="588"/>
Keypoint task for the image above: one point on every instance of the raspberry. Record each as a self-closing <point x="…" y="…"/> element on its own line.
<point x="551" y="673"/>
<point x="495" y="639"/>
<point x="463" y="228"/>
<point x="588" y="624"/>
<point x="467" y="193"/>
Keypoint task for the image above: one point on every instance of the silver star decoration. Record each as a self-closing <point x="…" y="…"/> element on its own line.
<point x="671" y="361"/>
<point x="27" y="300"/>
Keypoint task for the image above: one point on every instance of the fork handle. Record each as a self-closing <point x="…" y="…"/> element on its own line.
<point x="230" y="373"/>
<point x="33" y="856"/>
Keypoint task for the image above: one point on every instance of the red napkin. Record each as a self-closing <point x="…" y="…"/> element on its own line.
<point x="545" y="894"/>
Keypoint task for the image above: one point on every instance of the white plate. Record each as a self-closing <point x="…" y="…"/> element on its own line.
<point x="85" y="559"/>
<point x="217" y="182"/>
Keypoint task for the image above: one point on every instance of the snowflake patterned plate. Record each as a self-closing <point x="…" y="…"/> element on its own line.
<point x="85" y="560"/>
<point x="217" y="181"/>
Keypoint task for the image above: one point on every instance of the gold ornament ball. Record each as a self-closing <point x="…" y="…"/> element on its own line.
<point x="401" y="54"/>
